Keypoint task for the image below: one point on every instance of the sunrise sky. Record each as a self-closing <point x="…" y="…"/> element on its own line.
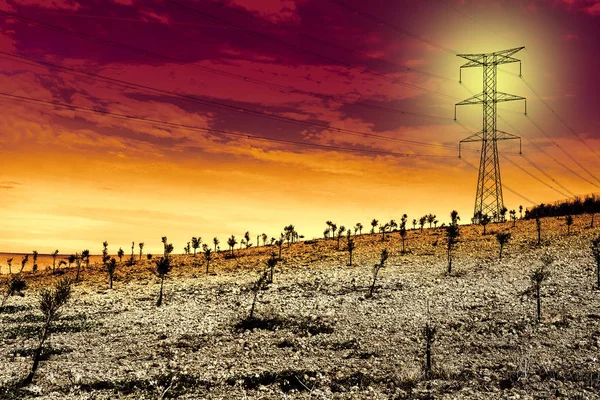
<point x="283" y="70"/>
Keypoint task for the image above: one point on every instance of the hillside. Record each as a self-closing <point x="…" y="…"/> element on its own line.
<point x="320" y="335"/>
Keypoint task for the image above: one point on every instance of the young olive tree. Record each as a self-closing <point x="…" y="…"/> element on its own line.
<point x="207" y="255"/>
<point x="9" y="262"/>
<point x="141" y="245"/>
<point x="24" y="261"/>
<point x="111" y="267"/>
<point x="569" y="222"/>
<point x="374" y="224"/>
<point x="376" y="269"/>
<point x="339" y="235"/>
<point x="51" y="301"/>
<point x="14" y="286"/>
<point x="537" y="277"/>
<point x="232" y="242"/>
<point x="54" y="255"/>
<point x="502" y="238"/>
<point x="429" y="332"/>
<point x="271" y="263"/>
<point x="163" y="267"/>
<point x="351" y="246"/>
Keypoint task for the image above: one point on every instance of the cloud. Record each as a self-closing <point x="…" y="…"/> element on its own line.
<point x="593" y="10"/>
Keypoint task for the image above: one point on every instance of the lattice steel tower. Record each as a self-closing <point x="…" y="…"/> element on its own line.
<point x="488" y="199"/>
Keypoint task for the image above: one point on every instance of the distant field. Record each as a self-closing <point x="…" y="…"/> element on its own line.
<point x="44" y="261"/>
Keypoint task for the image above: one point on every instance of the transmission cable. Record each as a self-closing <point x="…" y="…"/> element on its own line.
<point x="211" y="103"/>
<point x="31" y="100"/>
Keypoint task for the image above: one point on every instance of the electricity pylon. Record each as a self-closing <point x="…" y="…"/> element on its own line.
<point x="489" y="199"/>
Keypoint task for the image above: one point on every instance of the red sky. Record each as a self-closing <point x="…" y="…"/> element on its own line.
<point x="226" y="71"/>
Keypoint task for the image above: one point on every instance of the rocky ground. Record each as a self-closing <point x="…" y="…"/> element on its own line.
<point x="318" y="334"/>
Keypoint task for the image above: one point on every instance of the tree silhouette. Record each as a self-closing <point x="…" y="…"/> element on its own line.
<point x="351" y="247"/>
<point x="484" y="220"/>
<point x="141" y="245"/>
<point x="168" y="249"/>
<point x="247" y="238"/>
<point x="264" y="239"/>
<point x="105" y="256"/>
<point x="111" y="266"/>
<point x="187" y="249"/>
<point x="429" y="334"/>
<point x="120" y="254"/>
<point x="339" y="235"/>
<point x="374" y="224"/>
<point x="538" y="225"/>
<point x="279" y="244"/>
<point x="520" y="212"/>
<point x="260" y="284"/>
<point x="329" y="227"/>
<point x="414" y="223"/>
<point x="326" y="233"/>
<point x="422" y="221"/>
<point x="132" y="253"/>
<point x="216" y="243"/>
<point x="232" y="242"/>
<point x="163" y="267"/>
<point x="569" y="222"/>
<point x="503" y="211"/>
<point x="51" y="301"/>
<point x="358" y="227"/>
<point x="54" y="255"/>
<point x="538" y="276"/>
<point x="71" y="259"/>
<point x="14" y="286"/>
<point x="503" y="238"/>
<point x="207" y="255"/>
<point x="589" y="207"/>
<point x="333" y="229"/>
<point x="513" y="216"/>
<point x="376" y="269"/>
<point x="271" y="263"/>
<point x="430" y="219"/>
<point x="78" y="262"/>
<point x="85" y="256"/>
<point x="164" y="242"/>
<point x="24" y="261"/>
<point x="35" y="257"/>
<point x="403" y="235"/>
<point x="452" y="234"/>
<point x="9" y="262"/>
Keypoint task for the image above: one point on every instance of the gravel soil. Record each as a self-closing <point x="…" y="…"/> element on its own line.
<point x="317" y="334"/>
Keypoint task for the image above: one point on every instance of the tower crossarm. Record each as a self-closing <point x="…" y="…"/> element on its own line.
<point x="501" y="97"/>
<point x="476" y="99"/>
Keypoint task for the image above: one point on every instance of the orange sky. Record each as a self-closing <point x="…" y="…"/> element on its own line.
<point x="70" y="180"/>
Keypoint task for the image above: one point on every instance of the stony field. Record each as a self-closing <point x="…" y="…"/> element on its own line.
<point x="318" y="334"/>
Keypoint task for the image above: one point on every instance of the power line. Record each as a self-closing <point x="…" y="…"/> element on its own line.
<point x="449" y="5"/>
<point x="562" y="121"/>
<point x="162" y="57"/>
<point x="504" y="186"/>
<point x="301" y="50"/>
<point x="327" y="43"/>
<point x="382" y="22"/>
<point x="546" y="154"/>
<point x="211" y="103"/>
<point x="567" y="154"/>
<point x="31" y="100"/>
<point x="535" y="177"/>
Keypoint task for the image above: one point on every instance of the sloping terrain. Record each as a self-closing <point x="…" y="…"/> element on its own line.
<point x="318" y="334"/>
